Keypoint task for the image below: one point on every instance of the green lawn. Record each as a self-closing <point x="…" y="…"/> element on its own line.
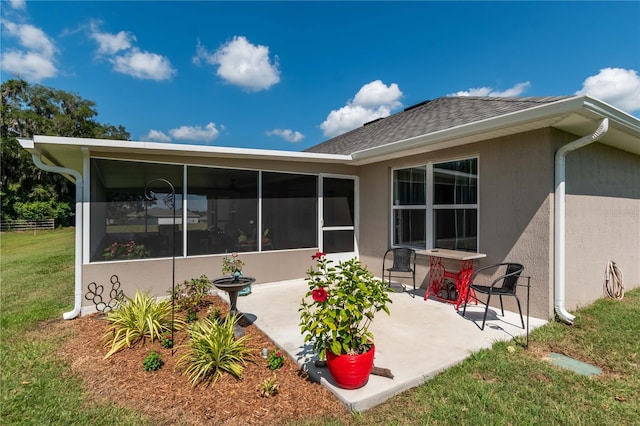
<point x="504" y="385"/>
<point x="36" y="387"/>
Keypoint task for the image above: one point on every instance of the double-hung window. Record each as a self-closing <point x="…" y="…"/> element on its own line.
<point x="410" y="207"/>
<point x="436" y="205"/>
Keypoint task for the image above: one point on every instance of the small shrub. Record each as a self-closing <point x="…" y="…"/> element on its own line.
<point x="276" y="360"/>
<point x="152" y="362"/>
<point x="214" y="315"/>
<point x="134" y="320"/>
<point x="269" y="387"/>
<point x="212" y="350"/>
<point x="166" y="341"/>
<point x="190" y="293"/>
<point x="192" y="314"/>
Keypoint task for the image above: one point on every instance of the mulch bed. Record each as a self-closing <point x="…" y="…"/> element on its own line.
<point x="167" y="396"/>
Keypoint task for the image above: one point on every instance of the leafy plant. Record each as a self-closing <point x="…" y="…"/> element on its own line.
<point x="214" y="314"/>
<point x="275" y="360"/>
<point x="135" y="320"/>
<point x="192" y="314"/>
<point x="128" y="250"/>
<point x="32" y="109"/>
<point x="269" y="387"/>
<point x="213" y="350"/>
<point x="166" y="340"/>
<point x="152" y="362"/>
<point x="233" y="265"/>
<point x="190" y="293"/>
<point x="345" y="298"/>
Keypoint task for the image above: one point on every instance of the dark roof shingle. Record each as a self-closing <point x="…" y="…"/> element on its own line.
<point x="427" y="117"/>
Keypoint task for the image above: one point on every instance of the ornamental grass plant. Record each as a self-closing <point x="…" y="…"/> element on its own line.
<point x="135" y="320"/>
<point x="336" y="312"/>
<point x="213" y="350"/>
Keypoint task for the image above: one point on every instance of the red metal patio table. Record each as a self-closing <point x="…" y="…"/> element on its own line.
<point x="437" y="273"/>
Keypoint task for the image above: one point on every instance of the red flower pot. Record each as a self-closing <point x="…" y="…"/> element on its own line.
<point x="351" y="371"/>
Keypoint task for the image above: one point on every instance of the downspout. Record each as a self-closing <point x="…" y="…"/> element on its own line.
<point x="79" y="219"/>
<point x="559" y="218"/>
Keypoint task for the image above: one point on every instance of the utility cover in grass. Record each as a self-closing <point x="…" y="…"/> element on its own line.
<point x="574" y="365"/>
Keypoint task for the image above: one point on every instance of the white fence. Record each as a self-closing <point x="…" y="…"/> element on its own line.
<point x="26" y="225"/>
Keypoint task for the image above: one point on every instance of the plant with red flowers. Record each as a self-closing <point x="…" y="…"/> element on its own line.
<point x="337" y="311"/>
<point x="166" y="341"/>
<point x="128" y="250"/>
<point x="232" y="266"/>
<point x="275" y="360"/>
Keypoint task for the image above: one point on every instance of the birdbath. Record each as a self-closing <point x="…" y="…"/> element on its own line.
<point x="232" y="285"/>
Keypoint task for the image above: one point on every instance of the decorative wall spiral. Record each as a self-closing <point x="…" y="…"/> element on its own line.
<point x="95" y="291"/>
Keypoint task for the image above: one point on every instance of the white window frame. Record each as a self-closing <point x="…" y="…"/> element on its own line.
<point x="424" y="207"/>
<point x="429" y="205"/>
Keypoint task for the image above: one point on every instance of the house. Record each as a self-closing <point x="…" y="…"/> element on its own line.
<point x="549" y="182"/>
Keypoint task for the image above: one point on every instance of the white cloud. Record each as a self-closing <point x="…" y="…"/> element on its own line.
<point x="143" y="65"/>
<point x="196" y="133"/>
<point x="28" y="65"/>
<point x="109" y="44"/>
<point x="156" y="136"/>
<point x="616" y="86"/>
<point x="31" y="37"/>
<point x="514" y="91"/>
<point x="376" y="93"/>
<point x="373" y="100"/>
<point x="36" y="61"/>
<point x="242" y="64"/>
<point x="128" y="59"/>
<point x="18" y="4"/>
<point x="287" y="134"/>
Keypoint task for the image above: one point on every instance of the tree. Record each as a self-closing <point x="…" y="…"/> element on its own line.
<point x="28" y="110"/>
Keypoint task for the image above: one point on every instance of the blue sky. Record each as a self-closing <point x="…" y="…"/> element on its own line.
<point x="289" y="75"/>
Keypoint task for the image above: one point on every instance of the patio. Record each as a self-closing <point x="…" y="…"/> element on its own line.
<point x="416" y="342"/>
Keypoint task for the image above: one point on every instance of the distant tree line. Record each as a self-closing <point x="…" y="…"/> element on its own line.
<point x="26" y="191"/>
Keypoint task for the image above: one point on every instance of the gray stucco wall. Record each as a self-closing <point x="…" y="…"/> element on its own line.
<point x="516" y="208"/>
<point x="154" y="275"/>
<point x="516" y="178"/>
<point x="603" y="220"/>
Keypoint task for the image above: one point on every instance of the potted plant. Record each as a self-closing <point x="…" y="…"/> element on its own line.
<point x="233" y="267"/>
<point x="335" y="316"/>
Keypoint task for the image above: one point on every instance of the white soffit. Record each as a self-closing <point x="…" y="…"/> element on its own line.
<point x="623" y="133"/>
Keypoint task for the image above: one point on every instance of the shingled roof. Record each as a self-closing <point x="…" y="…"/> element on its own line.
<point x="427" y="117"/>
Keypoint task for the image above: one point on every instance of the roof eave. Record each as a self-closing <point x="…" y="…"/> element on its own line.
<point x="544" y="115"/>
<point x="120" y="146"/>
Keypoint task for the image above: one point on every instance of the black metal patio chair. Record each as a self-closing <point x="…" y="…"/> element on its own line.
<point x="404" y="262"/>
<point x="504" y="285"/>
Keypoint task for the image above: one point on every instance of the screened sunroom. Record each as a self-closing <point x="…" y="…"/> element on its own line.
<point x="154" y="210"/>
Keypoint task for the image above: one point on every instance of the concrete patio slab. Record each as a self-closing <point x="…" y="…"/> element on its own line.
<point x="416" y="342"/>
